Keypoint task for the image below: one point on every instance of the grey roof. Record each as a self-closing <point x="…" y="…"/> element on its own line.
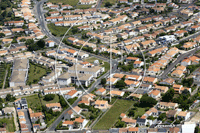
<point x="20" y="64"/>
<point x="18" y="76"/>
<point x="141" y="120"/>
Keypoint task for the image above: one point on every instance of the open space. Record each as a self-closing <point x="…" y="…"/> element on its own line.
<point x="35" y="73"/>
<point x="105" y="64"/>
<point x="111" y="1"/>
<point x="55" y="100"/>
<point x="3" y="68"/>
<point x="109" y="119"/>
<point x="83" y="6"/>
<point x="34" y="102"/>
<point x="70" y="2"/>
<point x="9" y="122"/>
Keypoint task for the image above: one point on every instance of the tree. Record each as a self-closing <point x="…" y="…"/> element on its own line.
<point x="120" y="84"/>
<point x="120" y="124"/>
<point x="147" y="101"/>
<point x="103" y="81"/>
<point x="29" y="42"/>
<point x="108" y="4"/>
<point x="49" y="97"/>
<point x="197" y="130"/>
<point x="131" y="113"/>
<point x="10" y="98"/>
<point x="168" y="96"/>
<point x="41" y="43"/>
<point x="162" y="116"/>
<point x="2" y="35"/>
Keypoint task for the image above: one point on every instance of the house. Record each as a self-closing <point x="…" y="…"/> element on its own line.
<point x="155" y="94"/>
<point x="101" y="104"/>
<point x="162" y="89"/>
<point x="50" y="43"/>
<point x="64" y="79"/>
<point x="112" y="81"/>
<point x="116" y="93"/>
<point x="122" y="115"/>
<point x="177" y="73"/>
<point x="141" y="122"/>
<point x="138" y="64"/>
<point x="171" y="113"/>
<point x="133" y="130"/>
<point x="100" y="91"/>
<point x="20" y="114"/>
<point x="189" y="45"/>
<point x="151" y="80"/>
<point x="129" y="121"/>
<point x="183" y="115"/>
<point x="68" y="124"/>
<point x="186" y="62"/>
<point x="180" y="33"/>
<point x="72" y="113"/>
<point x="72" y="94"/>
<point x="54" y="106"/>
<point x="167" y="105"/>
<point x="132" y="59"/>
<point x="82" y="122"/>
<point x="167" y="81"/>
<point x="5" y="41"/>
<point x="35" y="116"/>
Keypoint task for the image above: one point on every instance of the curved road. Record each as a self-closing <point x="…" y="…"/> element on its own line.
<point x="45" y="30"/>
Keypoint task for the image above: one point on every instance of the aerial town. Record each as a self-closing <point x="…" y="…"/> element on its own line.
<point x="100" y="66"/>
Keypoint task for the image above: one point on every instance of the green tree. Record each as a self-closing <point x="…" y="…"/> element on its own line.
<point x="168" y="96"/>
<point x="120" y="84"/>
<point x="147" y="101"/>
<point x="41" y="43"/>
<point x="103" y="81"/>
<point x="120" y="124"/>
<point x="108" y="4"/>
<point x="2" y="35"/>
<point x="49" y="97"/>
<point x="162" y="116"/>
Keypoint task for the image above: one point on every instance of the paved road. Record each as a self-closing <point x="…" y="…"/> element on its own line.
<point x="179" y="59"/>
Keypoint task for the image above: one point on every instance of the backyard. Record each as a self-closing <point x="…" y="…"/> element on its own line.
<point x="36" y="73"/>
<point x="60" y="30"/>
<point x="109" y="119"/>
<point x="10" y="126"/>
<point x="70" y="2"/>
<point x="105" y="64"/>
<point x="3" y="68"/>
<point x="34" y="103"/>
<point x="111" y="2"/>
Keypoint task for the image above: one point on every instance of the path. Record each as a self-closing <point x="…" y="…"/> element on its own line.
<point x="4" y="81"/>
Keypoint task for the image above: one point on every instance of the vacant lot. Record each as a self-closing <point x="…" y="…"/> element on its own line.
<point x="55" y="100"/>
<point x="34" y="103"/>
<point x="111" y="1"/>
<point x="70" y="2"/>
<point x="9" y="122"/>
<point x="105" y="64"/>
<point x="3" y="68"/>
<point x="109" y="119"/>
<point x="35" y="73"/>
<point x="57" y="30"/>
<point x="83" y="6"/>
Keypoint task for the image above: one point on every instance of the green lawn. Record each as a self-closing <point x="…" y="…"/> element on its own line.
<point x="61" y="30"/>
<point x="109" y="119"/>
<point x="55" y="100"/>
<point x="35" y="73"/>
<point x="106" y="64"/>
<point x="34" y="103"/>
<point x="3" y="68"/>
<point x="70" y="2"/>
<point x="10" y="126"/>
<point x="139" y="112"/>
<point x="111" y="1"/>
<point x="83" y="6"/>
